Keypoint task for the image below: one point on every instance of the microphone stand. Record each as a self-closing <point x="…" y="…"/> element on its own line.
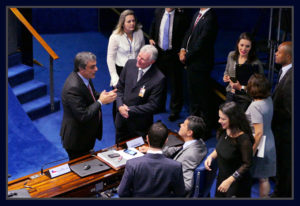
<point x="42" y="170"/>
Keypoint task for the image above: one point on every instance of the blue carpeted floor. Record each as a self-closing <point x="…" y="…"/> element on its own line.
<point x="47" y="128"/>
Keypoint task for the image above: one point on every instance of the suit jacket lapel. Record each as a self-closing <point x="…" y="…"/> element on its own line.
<point x="145" y="78"/>
<point x="84" y="88"/>
<point x="278" y="85"/>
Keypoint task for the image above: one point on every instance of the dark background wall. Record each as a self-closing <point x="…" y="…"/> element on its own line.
<point x="65" y="20"/>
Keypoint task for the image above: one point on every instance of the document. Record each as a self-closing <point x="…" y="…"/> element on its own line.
<point x="120" y="161"/>
<point x="261" y="147"/>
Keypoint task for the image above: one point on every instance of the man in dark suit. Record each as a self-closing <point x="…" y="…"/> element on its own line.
<point x="82" y="118"/>
<point x="282" y="121"/>
<point x="139" y="95"/>
<point x="191" y="153"/>
<point x="166" y="33"/>
<point x="197" y="54"/>
<point x="153" y="175"/>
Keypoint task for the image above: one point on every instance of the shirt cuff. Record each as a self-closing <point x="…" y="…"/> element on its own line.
<point x="99" y="102"/>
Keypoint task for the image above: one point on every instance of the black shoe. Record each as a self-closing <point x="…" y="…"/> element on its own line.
<point x="173" y="117"/>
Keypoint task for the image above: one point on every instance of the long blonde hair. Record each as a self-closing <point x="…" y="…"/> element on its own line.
<point x="120" y="26"/>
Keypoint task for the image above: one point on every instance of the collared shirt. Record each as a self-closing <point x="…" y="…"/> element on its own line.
<point x="87" y="82"/>
<point x="162" y="26"/>
<point x="187" y="143"/>
<point x="203" y="12"/>
<point x="145" y="70"/>
<point x="120" y="49"/>
<point x="285" y="69"/>
<point x="154" y="152"/>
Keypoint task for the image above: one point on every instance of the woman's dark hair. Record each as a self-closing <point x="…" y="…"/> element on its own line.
<point x="252" y="53"/>
<point x="258" y="86"/>
<point x="237" y="119"/>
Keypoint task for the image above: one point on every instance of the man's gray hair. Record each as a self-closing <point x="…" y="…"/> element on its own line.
<point x="150" y="49"/>
<point x="81" y="60"/>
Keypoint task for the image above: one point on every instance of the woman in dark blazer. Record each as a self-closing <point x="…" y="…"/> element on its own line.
<point x="244" y="57"/>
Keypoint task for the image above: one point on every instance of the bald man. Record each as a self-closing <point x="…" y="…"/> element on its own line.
<point x="282" y="120"/>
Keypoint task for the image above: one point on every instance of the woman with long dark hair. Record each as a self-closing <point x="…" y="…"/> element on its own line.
<point x="243" y="58"/>
<point x="233" y="152"/>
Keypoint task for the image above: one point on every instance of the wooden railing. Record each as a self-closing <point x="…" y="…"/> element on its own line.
<point x="52" y="54"/>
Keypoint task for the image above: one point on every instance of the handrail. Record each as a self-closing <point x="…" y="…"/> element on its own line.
<point x="52" y="54"/>
<point x="34" y="33"/>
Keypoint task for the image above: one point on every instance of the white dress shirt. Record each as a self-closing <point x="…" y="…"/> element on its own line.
<point x="162" y="26"/>
<point x="284" y="70"/>
<point x="86" y="82"/>
<point x="120" y="49"/>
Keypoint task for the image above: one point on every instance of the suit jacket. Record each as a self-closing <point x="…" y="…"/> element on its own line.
<point x="282" y="115"/>
<point x="199" y="42"/>
<point x="180" y="25"/>
<point x="152" y="175"/>
<point x="190" y="157"/>
<point x="143" y="108"/>
<point x="81" y="124"/>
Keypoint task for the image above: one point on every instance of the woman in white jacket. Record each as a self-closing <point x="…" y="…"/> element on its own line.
<point x="124" y="43"/>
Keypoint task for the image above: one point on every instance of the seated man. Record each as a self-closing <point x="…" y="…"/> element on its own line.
<point x="153" y="175"/>
<point x="192" y="152"/>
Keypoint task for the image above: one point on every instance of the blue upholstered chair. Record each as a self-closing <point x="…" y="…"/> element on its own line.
<point x="204" y="179"/>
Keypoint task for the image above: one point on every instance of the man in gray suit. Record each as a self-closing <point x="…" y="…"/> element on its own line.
<point x="191" y="153"/>
<point x="193" y="150"/>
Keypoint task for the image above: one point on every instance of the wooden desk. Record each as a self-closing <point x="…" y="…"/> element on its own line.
<point x="70" y="184"/>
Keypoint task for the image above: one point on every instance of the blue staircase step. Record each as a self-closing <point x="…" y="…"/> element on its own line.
<point x="14" y="59"/>
<point x="19" y="73"/>
<point x="40" y="107"/>
<point x="30" y="90"/>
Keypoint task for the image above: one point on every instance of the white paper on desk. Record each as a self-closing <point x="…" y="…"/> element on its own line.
<point x="135" y="142"/>
<point x="261" y="147"/>
<point x="128" y="156"/>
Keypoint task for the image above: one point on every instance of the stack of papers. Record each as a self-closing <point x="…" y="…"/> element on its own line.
<point x="118" y="162"/>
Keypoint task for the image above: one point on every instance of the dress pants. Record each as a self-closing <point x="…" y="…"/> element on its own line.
<point x="169" y="64"/>
<point x="200" y="93"/>
<point x="114" y="107"/>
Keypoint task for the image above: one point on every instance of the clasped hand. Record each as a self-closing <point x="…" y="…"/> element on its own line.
<point x="124" y="109"/>
<point x="108" y="97"/>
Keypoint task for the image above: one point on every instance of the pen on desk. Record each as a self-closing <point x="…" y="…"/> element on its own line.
<point x="120" y="158"/>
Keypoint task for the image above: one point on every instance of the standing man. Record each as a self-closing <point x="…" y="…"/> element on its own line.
<point x="282" y="120"/>
<point x="197" y="54"/>
<point x="139" y="96"/>
<point x="153" y="175"/>
<point x="82" y="118"/>
<point x="166" y="34"/>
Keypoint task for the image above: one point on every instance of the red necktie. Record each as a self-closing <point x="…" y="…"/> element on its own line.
<point x="94" y="99"/>
<point x="197" y="20"/>
<point x="91" y="92"/>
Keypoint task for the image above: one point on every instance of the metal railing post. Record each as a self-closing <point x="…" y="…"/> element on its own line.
<point x="51" y="85"/>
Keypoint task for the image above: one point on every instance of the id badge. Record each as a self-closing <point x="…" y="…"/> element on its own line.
<point x="142" y="91"/>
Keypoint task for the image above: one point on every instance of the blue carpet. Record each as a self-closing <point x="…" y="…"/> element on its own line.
<point x="67" y="46"/>
<point x="27" y="148"/>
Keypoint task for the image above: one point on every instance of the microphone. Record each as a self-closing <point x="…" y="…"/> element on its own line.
<point x="42" y="170"/>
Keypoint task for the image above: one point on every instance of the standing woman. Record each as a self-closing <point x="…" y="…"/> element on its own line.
<point x="260" y="114"/>
<point x="233" y="152"/>
<point x="124" y="43"/>
<point x="243" y="56"/>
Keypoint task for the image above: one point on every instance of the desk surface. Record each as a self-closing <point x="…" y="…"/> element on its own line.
<point x="70" y="184"/>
